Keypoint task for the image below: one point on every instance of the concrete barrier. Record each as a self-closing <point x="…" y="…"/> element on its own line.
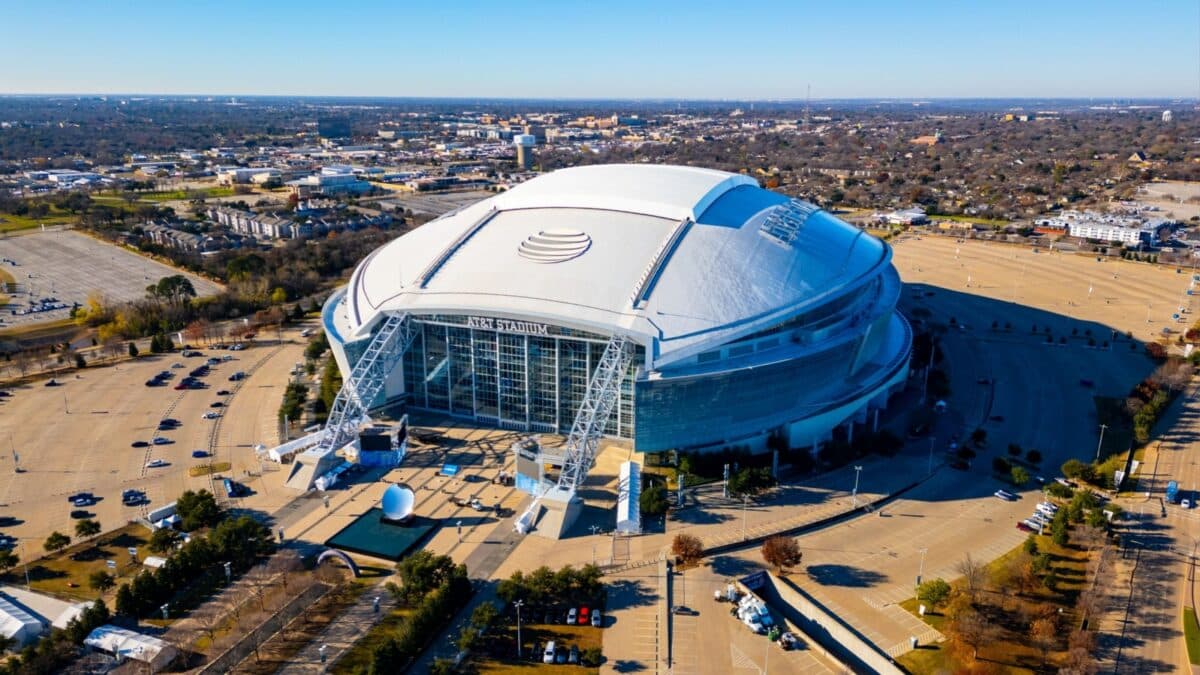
<point x="842" y="641"/>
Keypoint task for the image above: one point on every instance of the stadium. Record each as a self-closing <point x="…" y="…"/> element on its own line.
<point x="676" y="307"/>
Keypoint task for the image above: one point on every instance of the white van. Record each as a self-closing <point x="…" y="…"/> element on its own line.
<point x="548" y="655"/>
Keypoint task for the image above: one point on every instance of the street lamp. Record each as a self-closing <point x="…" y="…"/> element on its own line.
<point x="745" y="500"/>
<point x="518" y="605"/>
<point x="921" y="569"/>
<point x="1101" y="442"/>
<point x="854" y="494"/>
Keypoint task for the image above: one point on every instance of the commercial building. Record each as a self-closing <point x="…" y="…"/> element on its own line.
<point x="738" y="312"/>
<point x="330" y="182"/>
<point x="1125" y="228"/>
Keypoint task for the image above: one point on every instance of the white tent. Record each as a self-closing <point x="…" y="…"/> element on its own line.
<point x="18" y="624"/>
<point x="126" y="644"/>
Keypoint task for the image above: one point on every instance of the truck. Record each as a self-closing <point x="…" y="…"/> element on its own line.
<point x="1172" y="492"/>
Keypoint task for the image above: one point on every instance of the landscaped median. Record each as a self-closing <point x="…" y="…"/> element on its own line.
<point x="1191" y="634"/>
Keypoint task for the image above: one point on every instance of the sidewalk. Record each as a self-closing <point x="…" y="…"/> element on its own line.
<point x="341" y="634"/>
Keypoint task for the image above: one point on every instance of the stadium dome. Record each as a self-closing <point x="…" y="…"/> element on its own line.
<point x="752" y="313"/>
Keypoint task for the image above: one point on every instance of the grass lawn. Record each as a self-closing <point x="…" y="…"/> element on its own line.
<point x="1191" y="633"/>
<point x="11" y="223"/>
<point x="65" y="573"/>
<point x="539" y="634"/>
<point x="970" y="219"/>
<point x="1011" y="653"/>
<point x="358" y="659"/>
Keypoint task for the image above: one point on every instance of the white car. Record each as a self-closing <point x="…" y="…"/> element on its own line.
<point x="155" y="463"/>
<point x="177" y="365"/>
<point x="210" y="415"/>
<point x="1185" y="503"/>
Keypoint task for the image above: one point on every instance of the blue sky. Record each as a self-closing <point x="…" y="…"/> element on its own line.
<point x="610" y="49"/>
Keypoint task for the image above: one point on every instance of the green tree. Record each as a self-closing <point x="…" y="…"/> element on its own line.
<point x="57" y="541"/>
<point x="278" y="296"/>
<point x="86" y="528"/>
<point x="100" y="581"/>
<point x="8" y="559"/>
<point x="197" y="510"/>
<point x="127" y="604"/>
<point x="653" y="500"/>
<point x="750" y="481"/>
<point x="1030" y="546"/>
<point x="164" y="540"/>
<point x="133" y="349"/>
<point x="1020" y="475"/>
<point x="934" y="592"/>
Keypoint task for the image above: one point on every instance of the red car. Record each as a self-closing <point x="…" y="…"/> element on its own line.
<point x="583" y="616"/>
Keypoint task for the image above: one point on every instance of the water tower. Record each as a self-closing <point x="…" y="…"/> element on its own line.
<point x="525" y="143"/>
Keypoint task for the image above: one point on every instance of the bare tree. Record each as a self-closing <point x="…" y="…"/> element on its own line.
<point x="285" y="564"/>
<point x="973" y="574"/>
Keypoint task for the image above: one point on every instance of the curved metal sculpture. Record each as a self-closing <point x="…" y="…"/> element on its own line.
<point x="334" y="553"/>
<point x="397" y="503"/>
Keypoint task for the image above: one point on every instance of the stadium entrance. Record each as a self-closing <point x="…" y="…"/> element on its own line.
<point x="512" y="374"/>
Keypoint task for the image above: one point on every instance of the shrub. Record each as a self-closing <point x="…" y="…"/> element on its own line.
<point x="592" y="657"/>
<point x="1034" y="456"/>
<point x="934" y="592"/>
<point x="687" y="548"/>
<point x="1001" y="465"/>
<point x="653" y="500"/>
<point x="1019" y="475"/>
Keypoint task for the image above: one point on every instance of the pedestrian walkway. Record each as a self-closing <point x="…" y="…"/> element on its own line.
<point x="341" y="634"/>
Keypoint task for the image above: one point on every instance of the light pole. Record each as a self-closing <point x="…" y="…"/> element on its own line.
<point x="1101" y="442"/>
<point x="595" y="529"/>
<point x="518" y="605"/>
<point x="921" y="569"/>
<point x="745" y="500"/>
<point x="932" y="440"/>
<point x="854" y="494"/>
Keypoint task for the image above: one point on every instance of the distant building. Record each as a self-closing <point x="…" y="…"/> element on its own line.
<point x="332" y="181"/>
<point x="911" y="216"/>
<point x="1116" y="228"/>
<point x="935" y="139"/>
<point x="127" y="644"/>
<point x="241" y="175"/>
<point x="1167" y="116"/>
<point x="334" y="128"/>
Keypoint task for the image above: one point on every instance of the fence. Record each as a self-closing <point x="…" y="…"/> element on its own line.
<point x="244" y="647"/>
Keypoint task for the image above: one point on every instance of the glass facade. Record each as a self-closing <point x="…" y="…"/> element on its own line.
<point x="511" y="374"/>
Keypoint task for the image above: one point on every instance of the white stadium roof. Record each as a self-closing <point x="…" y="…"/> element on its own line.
<point x="677" y="257"/>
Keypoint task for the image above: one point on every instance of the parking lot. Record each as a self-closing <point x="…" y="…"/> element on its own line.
<point x="67" y="265"/>
<point x="79" y="436"/>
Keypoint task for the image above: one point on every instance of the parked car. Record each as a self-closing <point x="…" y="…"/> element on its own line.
<point x="598" y="619"/>
<point x="223" y="392"/>
<point x="155" y="463"/>
<point x="583" y="616"/>
<point x="239" y="375"/>
<point x="216" y="404"/>
<point x="177" y="365"/>
<point x="162" y="440"/>
<point x="548" y="652"/>
<point x="52" y="382"/>
<point x="573" y="656"/>
<point x="211" y="415"/>
<point x="199" y="454"/>
<point x="139" y="444"/>
<point x="80" y="514"/>
<point x="572" y="615"/>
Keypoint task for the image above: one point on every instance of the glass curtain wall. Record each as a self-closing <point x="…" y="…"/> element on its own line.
<point x="510" y="380"/>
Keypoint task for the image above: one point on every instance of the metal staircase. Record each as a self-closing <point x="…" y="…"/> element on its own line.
<point x="366" y="380"/>
<point x="592" y="416"/>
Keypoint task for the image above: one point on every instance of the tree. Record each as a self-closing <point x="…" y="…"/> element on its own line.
<point x="1034" y="456"/>
<point x="197" y="510"/>
<point x="934" y="592"/>
<point x="750" y="482"/>
<point x="133" y="349"/>
<point x="972" y="573"/>
<point x="1043" y="633"/>
<point x="8" y="559"/>
<point x="80" y="362"/>
<point x="1014" y="449"/>
<point x="781" y="552"/>
<point x="687" y="548"/>
<point x="483" y="616"/>
<point x="57" y="541"/>
<point x="1020" y="475"/>
<point x="653" y="500"/>
<point x="100" y="581"/>
<point x="86" y="528"/>
<point x="979" y="437"/>
<point x="1073" y="468"/>
<point x="278" y="296"/>
<point x="164" y="540"/>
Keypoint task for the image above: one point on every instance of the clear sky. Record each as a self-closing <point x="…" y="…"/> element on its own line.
<point x="605" y="49"/>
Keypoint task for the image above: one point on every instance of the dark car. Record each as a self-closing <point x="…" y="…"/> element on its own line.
<point x="170" y="420"/>
<point x="239" y="375"/>
<point x="154" y="383"/>
<point x="80" y="514"/>
<point x="216" y="404"/>
<point x="5" y="394"/>
<point x="199" y="454"/>
<point x="52" y="382"/>
<point x="81" y="495"/>
<point x="223" y="392"/>
<point x="83" y="501"/>
<point x="140" y="444"/>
